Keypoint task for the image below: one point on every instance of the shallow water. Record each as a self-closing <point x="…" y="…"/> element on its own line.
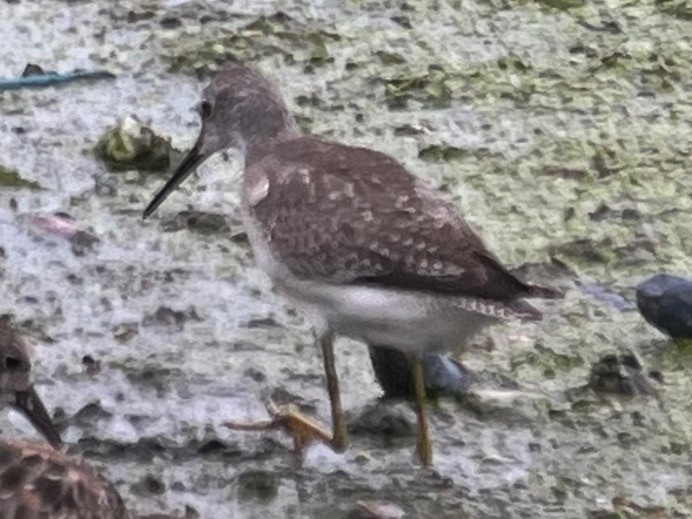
<point x="564" y="136"/>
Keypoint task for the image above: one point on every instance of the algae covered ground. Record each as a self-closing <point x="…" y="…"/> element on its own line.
<point x="561" y="128"/>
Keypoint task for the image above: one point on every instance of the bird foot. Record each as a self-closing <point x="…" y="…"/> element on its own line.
<point x="303" y="430"/>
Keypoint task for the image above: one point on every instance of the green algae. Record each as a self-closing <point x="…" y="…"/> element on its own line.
<point x="442" y="153"/>
<point x="11" y="178"/>
<point x="277" y="35"/>
<point x="130" y="145"/>
<point x="430" y="90"/>
<point x="678" y="8"/>
<point x="562" y="4"/>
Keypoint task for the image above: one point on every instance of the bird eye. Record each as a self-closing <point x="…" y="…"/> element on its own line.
<point x="205" y="109"/>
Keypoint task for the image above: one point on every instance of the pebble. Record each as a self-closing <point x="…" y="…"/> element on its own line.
<point x="665" y="302"/>
<point x="623" y="375"/>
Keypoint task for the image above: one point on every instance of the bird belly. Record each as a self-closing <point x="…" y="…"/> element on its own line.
<point x="409" y="321"/>
<point x="412" y="322"/>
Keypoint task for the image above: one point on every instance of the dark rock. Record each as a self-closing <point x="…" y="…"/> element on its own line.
<point x="623" y="375"/>
<point x="165" y="316"/>
<point x="125" y="332"/>
<point x="89" y="414"/>
<point x="211" y="446"/>
<point x="403" y="21"/>
<point x="255" y="374"/>
<point x="262" y="322"/>
<point x="383" y="419"/>
<point x="197" y="221"/>
<point x="134" y="17"/>
<point x="257" y="484"/>
<point x="148" y="486"/>
<point x="171" y="22"/>
<point x="219" y="450"/>
<point x="92" y="366"/>
<point x="665" y="302"/>
<point x="83" y="242"/>
<point x="394" y="373"/>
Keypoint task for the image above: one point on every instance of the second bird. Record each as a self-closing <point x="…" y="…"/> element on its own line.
<point x="363" y="247"/>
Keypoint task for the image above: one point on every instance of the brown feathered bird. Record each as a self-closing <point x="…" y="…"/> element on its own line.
<point x="39" y="482"/>
<point x="16" y="388"/>
<point x="366" y="249"/>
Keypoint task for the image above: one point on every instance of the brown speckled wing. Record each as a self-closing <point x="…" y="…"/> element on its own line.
<point x="351" y="215"/>
<point x="37" y="482"/>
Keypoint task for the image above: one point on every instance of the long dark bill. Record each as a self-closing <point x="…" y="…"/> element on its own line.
<point x="29" y="403"/>
<point x="193" y="159"/>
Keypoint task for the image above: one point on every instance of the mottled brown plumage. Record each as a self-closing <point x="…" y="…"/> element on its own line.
<point x="16" y="388"/>
<point x="349" y="215"/>
<point x="366" y="249"/>
<point x="38" y="482"/>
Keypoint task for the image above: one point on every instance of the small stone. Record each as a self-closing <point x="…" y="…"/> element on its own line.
<point x="89" y="414"/>
<point x="149" y="486"/>
<point x="178" y="486"/>
<point x="381" y="418"/>
<point x="91" y="365"/>
<point x="665" y="302"/>
<point x="83" y="242"/>
<point x="262" y="322"/>
<point x="165" y="316"/>
<point x="170" y="22"/>
<point x="257" y="485"/>
<point x="362" y="458"/>
<point x="125" y="332"/>
<point x="255" y="374"/>
<point x="622" y="375"/>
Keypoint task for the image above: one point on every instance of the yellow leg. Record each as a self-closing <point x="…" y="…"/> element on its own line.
<point x="339" y="434"/>
<point x="424" y="446"/>
<point x="303" y="429"/>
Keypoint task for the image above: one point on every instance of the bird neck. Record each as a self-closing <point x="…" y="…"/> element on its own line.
<point x="258" y="143"/>
<point x="264" y="118"/>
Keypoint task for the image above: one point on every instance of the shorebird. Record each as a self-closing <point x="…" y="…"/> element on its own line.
<point x="16" y="388"/>
<point x="39" y="482"/>
<point x="366" y="249"/>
